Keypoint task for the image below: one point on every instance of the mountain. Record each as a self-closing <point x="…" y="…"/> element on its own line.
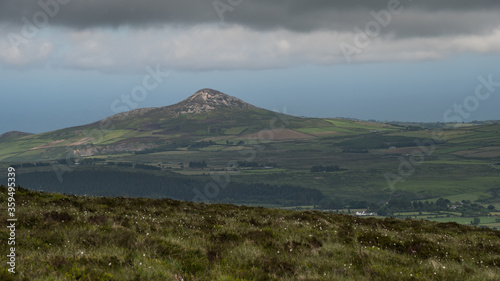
<point x="216" y="122"/>
<point x="206" y="115"/>
<point x="202" y="101"/>
<point x="204" y="108"/>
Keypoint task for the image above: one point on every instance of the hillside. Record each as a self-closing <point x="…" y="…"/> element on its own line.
<point x="61" y="237"/>
<point x="12" y="135"/>
<point x="206" y="115"/>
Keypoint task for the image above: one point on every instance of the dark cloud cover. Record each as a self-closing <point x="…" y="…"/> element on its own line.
<point x="420" y="17"/>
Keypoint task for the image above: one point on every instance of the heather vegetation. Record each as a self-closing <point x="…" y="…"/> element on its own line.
<point x="64" y="237"/>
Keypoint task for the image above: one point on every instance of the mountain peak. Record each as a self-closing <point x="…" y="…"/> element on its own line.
<point x="208" y="99"/>
<point x="207" y="93"/>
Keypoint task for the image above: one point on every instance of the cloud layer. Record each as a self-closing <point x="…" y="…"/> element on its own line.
<point x="115" y="35"/>
<point x="210" y="47"/>
<point x="430" y="16"/>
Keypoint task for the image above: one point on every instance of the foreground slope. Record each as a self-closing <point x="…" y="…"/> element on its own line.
<point x="67" y="237"/>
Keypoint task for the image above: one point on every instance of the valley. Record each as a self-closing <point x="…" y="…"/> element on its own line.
<point x="242" y="144"/>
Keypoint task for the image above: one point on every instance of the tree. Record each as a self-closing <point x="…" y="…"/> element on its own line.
<point x="383" y="211"/>
<point x="475" y="221"/>
<point x="491" y="207"/>
<point x="355" y="204"/>
<point x="442" y="203"/>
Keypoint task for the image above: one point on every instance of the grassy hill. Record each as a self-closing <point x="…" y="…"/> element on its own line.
<point x="61" y="237"/>
<point x="166" y="128"/>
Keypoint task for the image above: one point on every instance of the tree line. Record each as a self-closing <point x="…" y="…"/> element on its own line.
<point x="100" y="182"/>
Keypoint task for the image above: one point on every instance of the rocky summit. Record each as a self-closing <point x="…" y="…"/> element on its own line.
<point x="202" y="101"/>
<point x="207" y="99"/>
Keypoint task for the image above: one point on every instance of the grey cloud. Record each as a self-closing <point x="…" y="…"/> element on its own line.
<point x="420" y="18"/>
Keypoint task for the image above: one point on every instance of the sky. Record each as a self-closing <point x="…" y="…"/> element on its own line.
<point x="72" y="62"/>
